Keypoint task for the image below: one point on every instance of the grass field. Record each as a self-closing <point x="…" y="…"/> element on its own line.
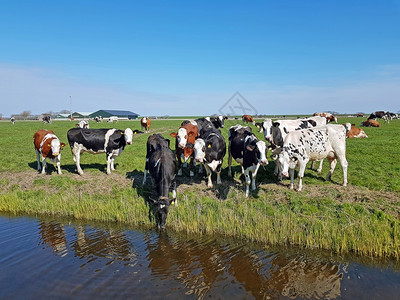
<point x="362" y="218"/>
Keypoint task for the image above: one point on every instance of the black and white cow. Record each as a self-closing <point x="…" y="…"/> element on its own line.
<point x="109" y="141"/>
<point x="46" y="119"/>
<point x="161" y="162"/>
<point x="316" y="143"/>
<point x="98" y="119"/>
<point x="381" y="114"/>
<point x="12" y="120"/>
<point x="214" y="121"/>
<point x="210" y="150"/>
<point x="248" y="151"/>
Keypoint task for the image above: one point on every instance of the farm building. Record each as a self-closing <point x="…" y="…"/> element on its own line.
<point x="122" y="114"/>
<point x="61" y="116"/>
<point x="81" y="115"/>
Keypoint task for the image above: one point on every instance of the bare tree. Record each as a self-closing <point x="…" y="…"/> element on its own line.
<point x="25" y="114"/>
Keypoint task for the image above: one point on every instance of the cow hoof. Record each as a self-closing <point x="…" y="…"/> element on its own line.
<point x="210" y="185"/>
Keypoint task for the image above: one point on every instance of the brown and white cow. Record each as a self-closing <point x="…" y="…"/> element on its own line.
<point x="48" y="146"/>
<point x="329" y="117"/>
<point x="354" y="132"/>
<point x="83" y="124"/>
<point x="370" y="123"/>
<point x="247" y="119"/>
<point x="184" y="142"/>
<point x="145" y="123"/>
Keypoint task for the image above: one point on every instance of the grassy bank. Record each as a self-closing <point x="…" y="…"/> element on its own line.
<point x="362" y="218"/>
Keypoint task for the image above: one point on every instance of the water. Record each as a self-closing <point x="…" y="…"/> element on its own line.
<point x="45" y="258"/>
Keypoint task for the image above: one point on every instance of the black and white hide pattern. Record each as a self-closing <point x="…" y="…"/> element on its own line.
<point x="248" y="151"/>
<point x="161" y="163"/>
<point x="210" y="150"/>
<point x="109" y="141"/>
<point x="314" y="144"/>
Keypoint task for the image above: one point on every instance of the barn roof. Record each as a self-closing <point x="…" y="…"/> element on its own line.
<point x="119" y="112"/>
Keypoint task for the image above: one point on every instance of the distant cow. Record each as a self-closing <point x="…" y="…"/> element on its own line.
<point x="218" y="120"/>
<point x="248" y="151"/>
<point x="329" y="117"/>
<point x="187" y="134"/>
<point x="393" y="115"/>
<point x="12" y="120"/>
<point x="46" y="119"/>
<point x="83" y="124"/>
<point x="145" y="123"/>
<point x="98" y="119"/>
<point x="247" y="119"/>
<point x="317" y="143"/>
<point x="112" y="119"/>
<point x="370" y="123"/>
<point x="381" y="114"/>
<point x="360" y="115"/>
<point x="160" y="162"/>
<point x="48" y="146"/>
<point x="354" y="132"/>
<point x="210" y="150"/>
<point x="109" y="141"/>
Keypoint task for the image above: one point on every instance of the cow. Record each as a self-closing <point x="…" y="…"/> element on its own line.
<point x="393" y="116"/>
<point x="370" y="123"/>
<point x="112" y="119"/>
<point x="248" y="151"/>
<point x="316" y="143"/>
<point x="218" y="120"/>
<point x="12" y="119"/>
<point x="83" y="124"/>
<point x="210" y="150"/>
<point x="187" y="134"/>
<point x="46" y="119"/>
<point x="160" y="163"/>
<point x="247" y="119"/>
<point x="354" y="132"/>
<point x="360" y="115"/>
<point x="319" y="121"/>
<point x="145" y="123"/>
<point x="98" y="119"/>
<point x="381" y="114"/>
<point x="329" y="117"/>
<point x="48" y="146"/>
<point x="109" y="141"/>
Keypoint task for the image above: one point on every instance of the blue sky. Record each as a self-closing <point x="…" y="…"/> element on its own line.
<point x="190" y="57"/>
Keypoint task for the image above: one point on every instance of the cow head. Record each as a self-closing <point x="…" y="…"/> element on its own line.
<point x="161" y="207"/>
<point x="56" y="146"/>
<point x="286" y="162"/>
<point x="218" y="121"/>
<point x="266" y="127"/>
<point x="182" y="137"/>
<point x="200" y="150"/>
<point x="128" y="134"/>
<point x="259" y="147"/>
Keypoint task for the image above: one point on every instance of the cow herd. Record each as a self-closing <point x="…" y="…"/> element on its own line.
<point x="292" y="143"/>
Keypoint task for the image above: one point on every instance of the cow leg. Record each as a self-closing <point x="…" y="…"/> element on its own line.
<point x="43" y="165"/>
<point x="291" y="173"/>
<point x="191" y="167"/>
<point x="344" y="164"/>
<point x="201" y="168"/>
<point x="145" y="171"/>
<point x="174" y="192"/>
<point x="247" y="182"/>
<point x="321" y="162"/>
<point x="302" y="168"/>
<point x="313" y="165"/>
<point x="254" y="174"/>
<point x="179" y="166"/>
<point x="77" y="157"/>
<point x="112" y="163"/>
<point x="218" y="170"/>
<point x="332" y="163"/>
<point x="229" y="160"/>
<point x="58" y="162"/>
<point x="209" y="173"/>
<point x="38" y="160"/>
<point x="109" y="163"/>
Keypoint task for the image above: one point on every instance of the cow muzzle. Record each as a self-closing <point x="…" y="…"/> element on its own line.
<point x="285" y="174"/>
<point x="129" y="143"/>
<point x="264" y="162"/>
<point x="198" y="159"/>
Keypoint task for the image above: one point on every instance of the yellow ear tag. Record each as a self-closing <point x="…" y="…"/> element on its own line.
<point x="135" y="132"/>
<point x="49" y="145"/>
<point x="122" y="133"/>
<point x="173" y="202"/>
<point x="209" y="146"/>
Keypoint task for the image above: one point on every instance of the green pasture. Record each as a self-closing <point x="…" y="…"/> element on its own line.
<point x="361" y="218"/>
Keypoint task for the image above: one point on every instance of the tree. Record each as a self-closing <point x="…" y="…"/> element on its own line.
<point x="25" y="113"/>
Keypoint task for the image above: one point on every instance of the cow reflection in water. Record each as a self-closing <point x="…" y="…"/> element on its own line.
<point x="109" y="244"/>
<point x="207" y="267"/>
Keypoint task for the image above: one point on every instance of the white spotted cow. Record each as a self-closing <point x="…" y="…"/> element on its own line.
<point x="248" y="151"/>
<point x="112" y="119"/>
<point x="109" y="141"/>
<point x="313" y="144"/>
<point x="47" y="145"/>
<point x="83" y="124"/>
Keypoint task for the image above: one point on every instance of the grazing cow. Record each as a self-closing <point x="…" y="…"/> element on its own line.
<point x="46" y="119"/>
<point x="218" y="120"/>
<point x="370" y="123"/>
<point x="109" y="141"/>
<point x="316" y="143"/>
<point x="48" y="146"/>
<point x="210" y="150"/>
<point x="360" y="115"/>
<point x="354" y="132"/>
<point x="145" y="123"/>
<point x="160" y="162"/>
<point x="381" y="114"/>
<point x="98" y="119"/>
<point x="12" y="120"/>
<point x="83" y="124"/>
<point x="187" y="134"/>
<point x="393" y="116"/>
<point x="248" y="151"/>
<point x="247" y="119"/>
<point x="112" y="119"/>
<point x="329" y="117"/>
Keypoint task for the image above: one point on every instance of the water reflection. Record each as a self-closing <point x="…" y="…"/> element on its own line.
<point x="87" y="258"/>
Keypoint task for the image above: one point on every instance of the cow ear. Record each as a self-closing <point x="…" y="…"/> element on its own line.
<point x="173" y="134"/>
<point x="209" y="146"/>
<point x="250" y="147"/>
<point x="274" y="157"/>
<point x="62" y="145"/>
<point x="49" y="145"/>
<point x="276" y="124"/>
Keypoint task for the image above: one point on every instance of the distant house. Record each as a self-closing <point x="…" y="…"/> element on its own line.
<point x="121" y="114"/>
<point x="81" y="115"/>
